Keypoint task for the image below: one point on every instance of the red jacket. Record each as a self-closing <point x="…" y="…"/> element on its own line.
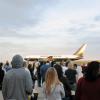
<point x="87" y="90"/>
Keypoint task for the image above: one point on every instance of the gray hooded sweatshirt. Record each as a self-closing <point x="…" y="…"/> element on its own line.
<point x="17" y="83"/>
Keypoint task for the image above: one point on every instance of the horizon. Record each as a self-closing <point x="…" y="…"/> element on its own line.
<point x="59" y="27"/>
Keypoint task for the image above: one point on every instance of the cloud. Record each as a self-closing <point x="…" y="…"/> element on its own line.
<point x="97" y="18"/>
<point x="7" y="32"/>
<point x="22" y="12"/>
<point x="48" y="26"/>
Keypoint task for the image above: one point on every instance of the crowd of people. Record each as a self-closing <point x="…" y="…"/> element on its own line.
<point x="62" y="80"/>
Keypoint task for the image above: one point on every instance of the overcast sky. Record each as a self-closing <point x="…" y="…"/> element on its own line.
<point x="29" y="27"/>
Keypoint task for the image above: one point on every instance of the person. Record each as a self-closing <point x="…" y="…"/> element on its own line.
<point x="7" y="67"/>
<point x="1" y="75"/>
<point x="25" y="66"/>
<point x="52" y="88"/>
<point x="64" y="67"/>
<point x="35" y="90"/>
<point x="33" y="73"/>
<point x="38" y="73"/>
<point x="84" y="68"/>
<point x="64" y="81"/>
<point x="17" y="82"/>
<point x="71" y="74"/>
<point x="88" y="87"/>
<point x="78" y="70"/>
<point x="43" y="70"/>
<point x="31" y="69"/>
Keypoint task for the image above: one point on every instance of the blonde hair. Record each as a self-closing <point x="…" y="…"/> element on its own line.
<point x="51" y="79"/>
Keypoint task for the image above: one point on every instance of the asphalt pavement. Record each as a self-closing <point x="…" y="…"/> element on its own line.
<point x="40" y="97"/>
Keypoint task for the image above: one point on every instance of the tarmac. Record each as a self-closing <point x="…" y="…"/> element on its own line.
<point x="1" y="96"/>
<point x="40" y="97"/>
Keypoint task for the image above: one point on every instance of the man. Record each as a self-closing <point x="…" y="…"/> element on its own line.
<point x="17" y="83"/>
<point x="44" y="69"/>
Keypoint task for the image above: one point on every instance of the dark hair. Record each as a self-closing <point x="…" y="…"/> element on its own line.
<point x="29" y="66"/>
<point x="1" y="64"/>
<point x="75" y="65"/>
<point x="59" y="70"/>
<point x="92" y="71"/>
<point x="7" y="63"/>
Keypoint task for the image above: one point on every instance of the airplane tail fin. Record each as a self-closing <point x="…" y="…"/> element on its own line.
<point x="80" y="51"/>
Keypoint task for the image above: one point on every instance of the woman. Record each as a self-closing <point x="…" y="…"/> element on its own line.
<point x="64" y="81"/>
<point x="52" y="88"/>
<point x="88" y="87"/>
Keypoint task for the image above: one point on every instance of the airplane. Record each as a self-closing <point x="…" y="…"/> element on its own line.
<point x="79" y="54"/>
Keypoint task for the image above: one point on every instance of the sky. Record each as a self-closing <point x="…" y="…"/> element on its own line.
<point x="40" y="27"/>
